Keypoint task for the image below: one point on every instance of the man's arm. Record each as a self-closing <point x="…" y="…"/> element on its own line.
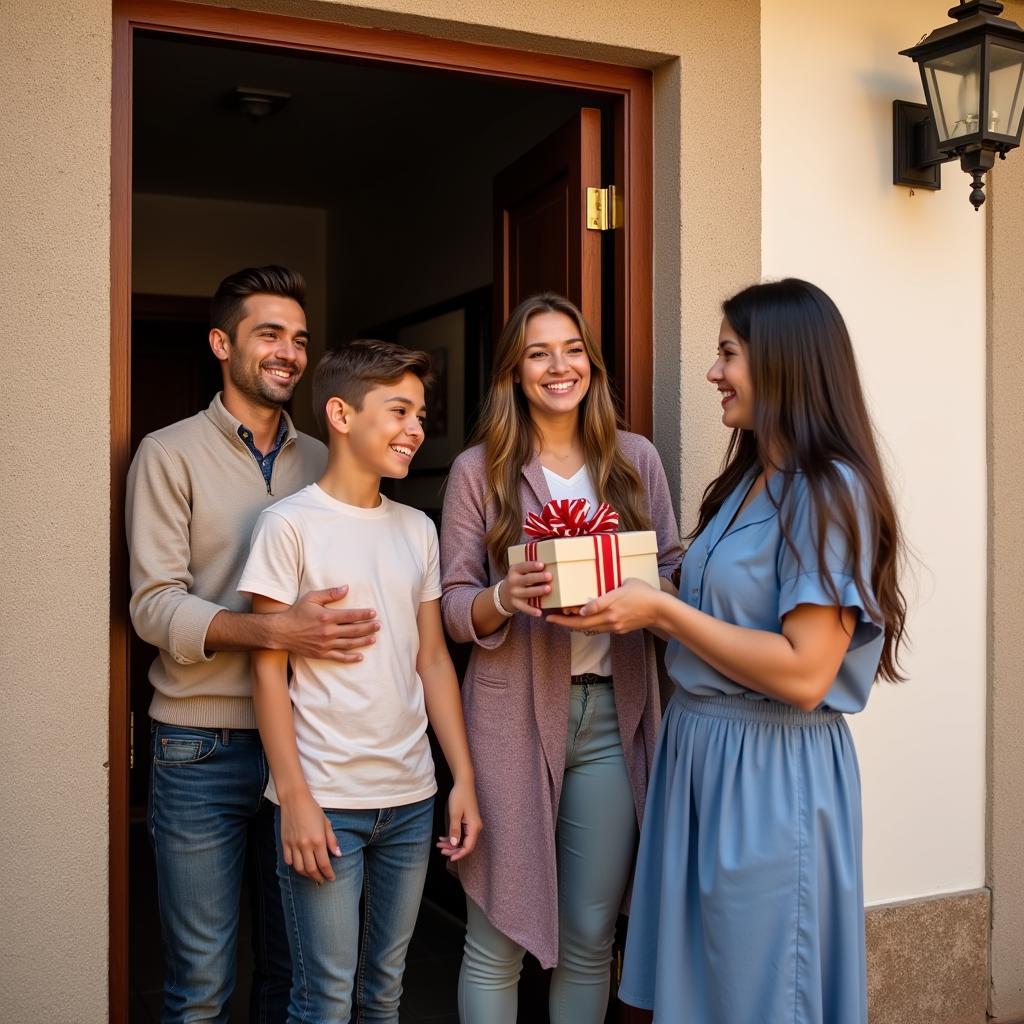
<point x="167" y="615"/>
<point x="444" y="711"/>
<point x="306" y="834"/>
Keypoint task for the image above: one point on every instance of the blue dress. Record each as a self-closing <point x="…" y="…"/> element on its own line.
<point x="748" y="903"/>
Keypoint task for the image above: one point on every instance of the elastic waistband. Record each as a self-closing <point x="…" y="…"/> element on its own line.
<point x="589" y="679"/>
<point x="744" y="709"/>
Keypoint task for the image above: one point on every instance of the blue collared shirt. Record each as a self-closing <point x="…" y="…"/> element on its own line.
<point x="741" y="569"/>
<point x="265" y="462"/>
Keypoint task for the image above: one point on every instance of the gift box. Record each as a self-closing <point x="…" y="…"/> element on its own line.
<point x="584" y="555"/>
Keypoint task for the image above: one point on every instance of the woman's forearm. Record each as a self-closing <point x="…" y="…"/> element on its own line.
<point x="797" y="668"/>
<point x="486" y="617"/>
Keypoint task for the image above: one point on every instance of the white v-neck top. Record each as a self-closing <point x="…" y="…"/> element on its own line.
<point x="589" y="653"/>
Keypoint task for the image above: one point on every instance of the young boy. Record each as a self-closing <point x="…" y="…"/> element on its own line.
<point x="349" y="757"/>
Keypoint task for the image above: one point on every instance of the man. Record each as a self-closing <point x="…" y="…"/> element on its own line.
<point x="195" y="490"/>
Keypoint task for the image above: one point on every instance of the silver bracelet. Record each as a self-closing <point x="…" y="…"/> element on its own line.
<point x="502" y="610"/>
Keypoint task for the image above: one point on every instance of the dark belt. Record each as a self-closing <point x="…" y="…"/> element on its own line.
<point x="589" y="679"/>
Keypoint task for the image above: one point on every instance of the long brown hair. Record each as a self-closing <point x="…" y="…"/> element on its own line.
<point x="510" y="436"/>
<point x="810" y="416"/>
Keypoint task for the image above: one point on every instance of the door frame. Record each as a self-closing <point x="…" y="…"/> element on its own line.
<point x="631" y="92"/>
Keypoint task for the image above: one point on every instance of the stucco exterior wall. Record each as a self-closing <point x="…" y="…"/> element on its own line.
<point x="54" y="504"/>
<point x="908" y="273"/>
<point x="1006" y="569"/>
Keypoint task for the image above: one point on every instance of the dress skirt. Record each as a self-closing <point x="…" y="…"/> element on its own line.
<point x="748" y="903"/>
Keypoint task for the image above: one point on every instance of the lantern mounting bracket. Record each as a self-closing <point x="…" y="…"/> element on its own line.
<point x="915" y="153"/>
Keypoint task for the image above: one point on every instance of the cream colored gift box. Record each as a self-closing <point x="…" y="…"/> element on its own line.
<point x="585" y="567"/>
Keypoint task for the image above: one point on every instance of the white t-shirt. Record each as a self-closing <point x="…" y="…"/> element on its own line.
<point x="360" y="727"/>
<point x="588" y="653"/>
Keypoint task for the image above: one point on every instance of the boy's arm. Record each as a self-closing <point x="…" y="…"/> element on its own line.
<point x="306" y="834"/>
<point x="444" y="710"/>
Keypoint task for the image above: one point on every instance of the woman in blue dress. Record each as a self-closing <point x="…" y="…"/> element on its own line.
<point x="748" y="903"/>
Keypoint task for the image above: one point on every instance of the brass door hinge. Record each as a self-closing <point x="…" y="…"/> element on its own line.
<point x="131" y="740"/>
<point x="604" y="209"/>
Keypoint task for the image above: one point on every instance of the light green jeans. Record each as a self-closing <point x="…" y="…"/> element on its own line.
<point x="596" y="840"/>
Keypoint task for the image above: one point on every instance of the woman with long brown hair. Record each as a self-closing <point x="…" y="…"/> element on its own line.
<point x="748" y="902"/>
<point x="561" y="726"/>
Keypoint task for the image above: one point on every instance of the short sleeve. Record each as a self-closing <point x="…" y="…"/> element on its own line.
<point x="801" y="580"/>
<point x="274" y="568"/>
<point x="432" y="577"/>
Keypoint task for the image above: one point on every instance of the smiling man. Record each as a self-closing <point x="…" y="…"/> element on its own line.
<point x="195" y="490"/>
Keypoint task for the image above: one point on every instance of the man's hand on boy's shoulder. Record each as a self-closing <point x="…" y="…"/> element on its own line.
<point x="312" y="630"/>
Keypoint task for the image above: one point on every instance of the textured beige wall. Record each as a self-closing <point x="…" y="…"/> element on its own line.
<point x="706" y="62"/>
<point x="928" y="960"/>
<point x="54" y="504"/>
<point x="1006" y="569"/>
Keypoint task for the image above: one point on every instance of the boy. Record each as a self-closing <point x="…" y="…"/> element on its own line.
<point x="351" y="768"/>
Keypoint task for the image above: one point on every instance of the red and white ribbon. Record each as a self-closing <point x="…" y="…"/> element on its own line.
<point x="567" y="517"/>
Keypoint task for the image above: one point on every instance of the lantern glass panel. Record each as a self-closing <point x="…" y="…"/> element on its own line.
<point x="1005" y="90"/>
<point x="953" y="82"/>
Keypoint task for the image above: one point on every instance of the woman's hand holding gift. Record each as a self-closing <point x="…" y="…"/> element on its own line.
<point x="634" y="605"/>
<point x="524" y="581"/>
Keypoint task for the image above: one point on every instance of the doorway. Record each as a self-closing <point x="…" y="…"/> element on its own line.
<point x="374" y="174"/>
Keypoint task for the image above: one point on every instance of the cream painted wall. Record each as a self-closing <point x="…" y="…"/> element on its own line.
<point x="182" y="245"/>
<point x="54" y="504"/>
<point x="908" y="273"/>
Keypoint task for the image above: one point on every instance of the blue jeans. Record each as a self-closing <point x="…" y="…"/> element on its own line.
<point x="336" y="950"/>
<point x="210" y="826"/>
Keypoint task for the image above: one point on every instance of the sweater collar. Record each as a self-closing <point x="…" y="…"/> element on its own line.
<point x="229" y="426"/>
<point x="534" y="474"/>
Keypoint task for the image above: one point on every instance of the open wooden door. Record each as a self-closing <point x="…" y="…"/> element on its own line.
<point x="540" y="215"/>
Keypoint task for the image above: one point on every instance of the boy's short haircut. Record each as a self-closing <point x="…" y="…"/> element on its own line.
<point x="354" y="369"/>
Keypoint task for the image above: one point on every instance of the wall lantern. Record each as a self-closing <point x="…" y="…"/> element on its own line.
<point x="973" y="75"/>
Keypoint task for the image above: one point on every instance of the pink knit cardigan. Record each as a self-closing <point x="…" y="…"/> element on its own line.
<point x="516" y="701"/>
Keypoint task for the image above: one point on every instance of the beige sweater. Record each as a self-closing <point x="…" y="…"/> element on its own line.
<point x="194" y="493"/>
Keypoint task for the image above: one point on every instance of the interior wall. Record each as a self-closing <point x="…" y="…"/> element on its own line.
<point x="426" y="234"/>
<point x="183" y="245"/>
<point x="55" y="507"/>
<point x="908" y="272"/>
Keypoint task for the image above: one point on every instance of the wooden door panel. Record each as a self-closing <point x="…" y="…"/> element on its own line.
<point x="540" y="208"/>
<point x="540" y="230"/>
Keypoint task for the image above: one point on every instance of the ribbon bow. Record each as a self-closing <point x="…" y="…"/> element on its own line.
<point x="567" y="517"/>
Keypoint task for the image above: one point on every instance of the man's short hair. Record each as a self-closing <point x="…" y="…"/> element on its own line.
<point x="227" y="310"/>
<point x="354" y="369"/>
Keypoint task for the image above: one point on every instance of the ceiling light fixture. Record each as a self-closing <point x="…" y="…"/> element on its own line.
<point x="257" y="104"/>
